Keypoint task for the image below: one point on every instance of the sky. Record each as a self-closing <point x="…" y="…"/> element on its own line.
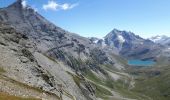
<point x="96" y="18"/>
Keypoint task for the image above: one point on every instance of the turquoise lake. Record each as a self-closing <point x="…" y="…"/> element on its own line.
<point x="141" y="62"/>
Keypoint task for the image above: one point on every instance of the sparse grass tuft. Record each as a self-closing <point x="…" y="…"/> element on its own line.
<point x="76" y="79"/>
<point x="5" y="96"/>
<point x="29" y="87"/>
<point x="101" y="92"/>
<point x="2" y="70"/>
<point x="93" y="77"/>
<point x="51" y="58"/>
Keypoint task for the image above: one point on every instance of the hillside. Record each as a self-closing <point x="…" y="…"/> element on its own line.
<point x="50" y="59"/>
<point x="41" y="61"/>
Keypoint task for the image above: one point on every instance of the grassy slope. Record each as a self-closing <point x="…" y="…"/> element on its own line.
<point x="5" y="96"/>
<point x="118" y="86"/>
<point x="2" y="70"/>
<point x="156" y="87"/>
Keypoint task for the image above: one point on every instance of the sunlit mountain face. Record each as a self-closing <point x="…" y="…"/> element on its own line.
<point x="41" y="61"/>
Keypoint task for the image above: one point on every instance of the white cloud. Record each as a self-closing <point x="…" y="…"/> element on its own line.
<point x="67" y="6"/>
<point x="52" y="5"/>
<point x="24" y="3"/>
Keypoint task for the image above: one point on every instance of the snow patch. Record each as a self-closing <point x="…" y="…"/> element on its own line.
<point x="24" y="3"/>
<point x="121" y="39"/>
<point x="96" y="41"/>
<point x="104" y="44"/>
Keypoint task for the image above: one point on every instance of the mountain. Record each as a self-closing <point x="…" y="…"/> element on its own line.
<point x="52" y="63"/>
<point x="132" y="46"/>
<point x="163" y="40"/>
<point x="122" y="39"/>
<point x="41" y="61"/>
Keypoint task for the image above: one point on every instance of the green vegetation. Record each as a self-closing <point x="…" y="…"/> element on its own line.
<point x="74" y="63"/>
<point x="120" y="59"/>
<point x="2" y="70"/>
<point x="162" y="61"/>
<point x="89" y="75"/>
<point x="101" y="92"/>
<point x="76" y="79"/>
<point x="108" y="82"/>
<point x="150" y="83"/>
<point x="157" y="87"/>
<point x="109" y="67"/>
<point x="119" y="86"/>
<point x="5" y="96"/>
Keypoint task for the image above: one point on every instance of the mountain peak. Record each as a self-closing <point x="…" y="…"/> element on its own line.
<point x="18" y="4"/>
<point x="121" y="32"/>
<point x="115" y="29"/>
<point x="116" y="32"/>
<point x="122" y="39"/>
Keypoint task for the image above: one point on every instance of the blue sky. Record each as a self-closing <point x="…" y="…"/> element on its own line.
<point x="98" y="17"/>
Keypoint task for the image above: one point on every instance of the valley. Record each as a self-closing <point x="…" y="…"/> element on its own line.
<point x="41" y="61"/>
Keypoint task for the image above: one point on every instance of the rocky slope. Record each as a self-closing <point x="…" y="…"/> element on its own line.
<point x="44" y="62"/>
<point x="130" y="45"/>
<point x="53" y="63"/>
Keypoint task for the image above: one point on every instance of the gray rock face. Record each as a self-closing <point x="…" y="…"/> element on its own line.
<point x="50" y="57"/>
<point x="164" y="41"/>
<point x="122" y="39"/>
<point x="63" y="64"/>
<point x="47" y="37"/>
<point x="131" y="45"/>
<point x="24" y="63"/>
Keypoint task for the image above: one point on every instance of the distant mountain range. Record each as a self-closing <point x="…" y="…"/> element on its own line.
<point x="130" y="45"/>
<point x="163" y="40"/>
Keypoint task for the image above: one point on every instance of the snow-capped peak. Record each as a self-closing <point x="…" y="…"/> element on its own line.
<point x="155" y="38"/>
<point x="160" y="39"/>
